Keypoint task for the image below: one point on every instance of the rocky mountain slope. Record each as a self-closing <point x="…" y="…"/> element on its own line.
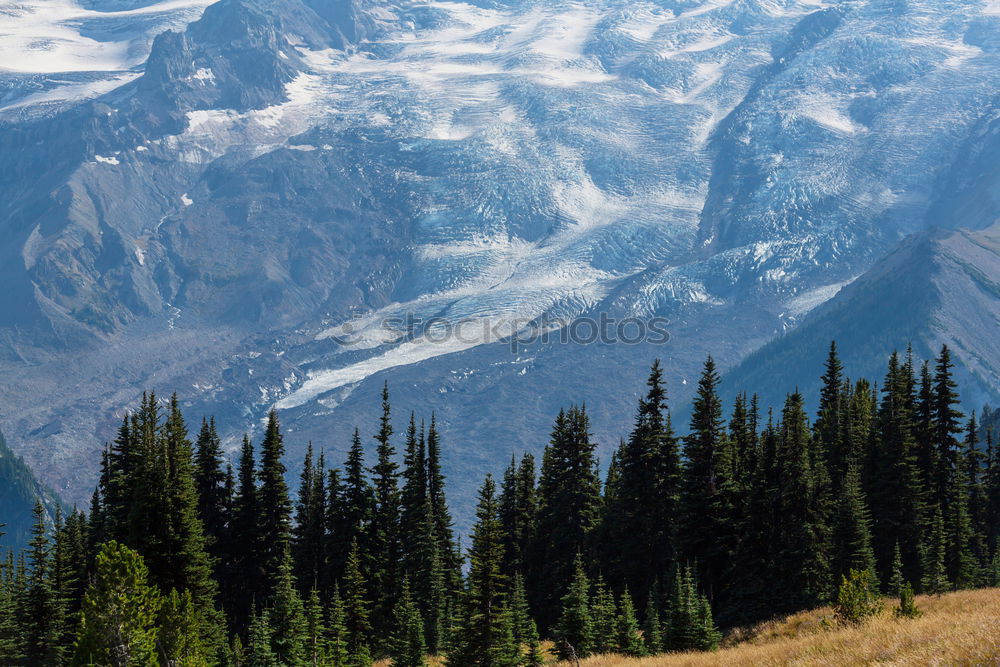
<point x="234" y="208"/>
<point x="938" y="287"/>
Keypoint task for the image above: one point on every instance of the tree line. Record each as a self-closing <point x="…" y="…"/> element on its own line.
<point x="185" y="559"/>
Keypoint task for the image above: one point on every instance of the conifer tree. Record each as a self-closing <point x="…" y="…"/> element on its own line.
<point x="259" y="636"/>
<point x="645" y="490"/>
<point x="569" y="503"/>
<point x="77" y="567"/>
<point x="62" y="575"/>
<point x="187" y="565"/>
<point x="505" y="651"/>
<point x="481" y="634"/>
<point x="274" y="503"/>
<point x="707" y="505"/>
<point x="630" y="640"/>
<point x="533" y="656"/>
<point x="744" y="437"/>
<point x="972" y="471"/>
<point x="857" y="598"/>
<point x="690" y="624"/>
<point x="118" y="621"/>
<point x="179" y="636"/>
<point x="287" y="617"/>
<point x="148" y="497"/>
<point x="926" y="453"/>
<point x="437" y="600"/>
<point x="935" y="579"/>
<point x="852" y="549"/>
<point x="907" y="606"/>
<point x="518" y="511"/>
<point x="828" y="427"/>
<point x="450" y="557"/>
<point x="406" y="646"/>
<point x="960" y="561"/>
<point x="40" y="613"/>
<point x="243" y="577"/>
<point x="652" y="630"/>
<point x="384" y="547"/>
<point x="893" y="480"/>
<point x="210" y="485"/>
<point x="10" y="636"/>
<point x="309" y="531"/>
<point x="316" y="653"/>
<point x="574" y="632"/>
<point x="751" y="597"/>
<point x="946" y="421"/>
<point x="121" y="472"/>
<point x="337" y="638"/>
<point x="357" y="609"/>
<point x="351" y="509"/>
<point x="414" y="505"/>
<point x="520" y="615"/>
<point x="896" y="580"/>
<point x="802" y="550"/>
<point x="603" y="619"/>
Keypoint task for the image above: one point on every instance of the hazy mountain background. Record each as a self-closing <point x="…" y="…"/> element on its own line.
<point x="197" y="197"/>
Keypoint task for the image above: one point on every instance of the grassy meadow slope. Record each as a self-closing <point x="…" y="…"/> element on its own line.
<point x="955" y="629"/>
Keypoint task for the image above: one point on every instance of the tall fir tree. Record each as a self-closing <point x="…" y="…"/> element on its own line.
<point x="41" y="612"/>
<point x="188" y="565"/>
<point x="569" y="507"/>
<point x="211" y="488"/>
<point x="708" y="488"/>
<point x="518" y="512"/>
<point x="350" y="508"/>
<point x="451" y="558"/>
<point x="480" y="635"/>
<point x="357" y="609"/>
<point x="829" y="430"/>
<point x="275" y="506"/>
<point x="287" y="616"/>
<point x="852" y="542"/>
<point x="892" y="482"/>
<point x="316" y="647"/>
<point x="947" y="420"/>
<point x="646" y="489"/>
<point x="384" y="546"/>
<point x="802" y="546"/>
<point x="309" y="530"/>
<point x="243" y="574"/>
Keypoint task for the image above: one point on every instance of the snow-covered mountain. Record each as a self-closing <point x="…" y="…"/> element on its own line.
<point x="232" y="200"/>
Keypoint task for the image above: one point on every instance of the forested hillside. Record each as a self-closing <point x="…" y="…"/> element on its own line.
<point x="18" y="491"/>
<point x="184" y="558"/>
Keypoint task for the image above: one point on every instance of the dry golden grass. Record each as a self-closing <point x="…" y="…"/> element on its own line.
<point x="955" y="629"/>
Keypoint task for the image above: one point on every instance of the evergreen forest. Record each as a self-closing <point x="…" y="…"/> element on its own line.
<point x="186" y="557"/>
